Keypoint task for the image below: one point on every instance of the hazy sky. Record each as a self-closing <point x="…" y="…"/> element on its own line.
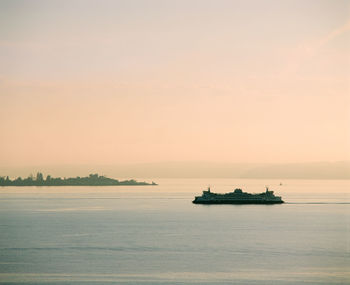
<point x="103" y="82"/>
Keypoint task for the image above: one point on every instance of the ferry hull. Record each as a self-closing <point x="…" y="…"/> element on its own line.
<point x="236" y="202"/>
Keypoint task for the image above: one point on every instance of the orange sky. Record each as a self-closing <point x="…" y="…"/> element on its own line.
<point x="145" y="81"/>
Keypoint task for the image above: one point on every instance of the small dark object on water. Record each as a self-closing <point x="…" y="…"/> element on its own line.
<point x="237" y="197"/>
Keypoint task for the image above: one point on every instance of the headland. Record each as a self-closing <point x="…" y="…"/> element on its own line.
<point x="91" y="180"/>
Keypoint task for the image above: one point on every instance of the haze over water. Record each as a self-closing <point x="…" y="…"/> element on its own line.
<point x="155" y="235"/>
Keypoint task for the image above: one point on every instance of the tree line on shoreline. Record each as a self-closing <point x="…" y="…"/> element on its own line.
<point x="91" y="180"/>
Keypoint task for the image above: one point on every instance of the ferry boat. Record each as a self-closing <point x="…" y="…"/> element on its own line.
<point x="237" y="197"/>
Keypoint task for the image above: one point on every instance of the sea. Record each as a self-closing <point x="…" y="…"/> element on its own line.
<point x="156" y="235"/>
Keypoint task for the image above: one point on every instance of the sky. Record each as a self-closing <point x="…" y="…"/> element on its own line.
<point x="104" y="82"/>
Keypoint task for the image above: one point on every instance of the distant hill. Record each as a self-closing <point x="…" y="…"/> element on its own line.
<point x="316" y="170"/>
<point x="320" y="170"/>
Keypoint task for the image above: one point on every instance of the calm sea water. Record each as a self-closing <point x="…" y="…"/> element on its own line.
<point x="155" y="235"/>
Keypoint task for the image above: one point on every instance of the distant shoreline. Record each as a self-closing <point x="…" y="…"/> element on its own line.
<point x="91" y="180"/>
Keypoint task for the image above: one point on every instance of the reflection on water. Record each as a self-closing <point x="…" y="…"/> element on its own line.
<point x="155" y="235"/>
